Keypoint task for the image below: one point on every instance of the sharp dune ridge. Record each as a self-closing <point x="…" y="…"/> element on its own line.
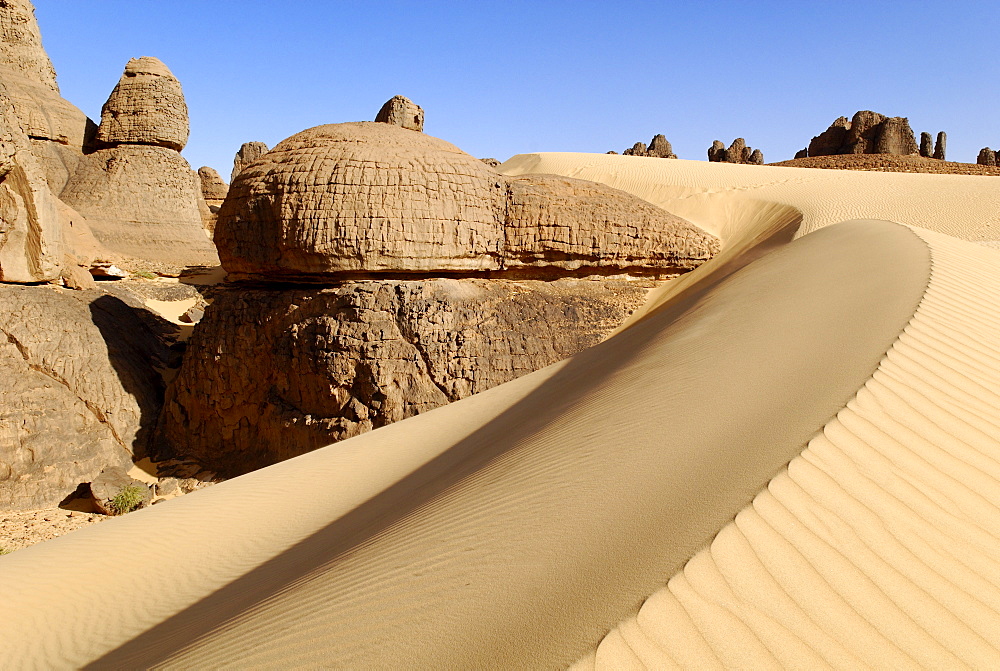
<point x="788" y="458"/>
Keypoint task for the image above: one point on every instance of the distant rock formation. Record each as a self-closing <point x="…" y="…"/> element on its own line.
<point x="139" y="195"/>
<point x="939" y="146"/>
<point x="392" y="324"/>
<point x="146" y="107"/>
<point x="21" y="44"/>
<point x="869" y="133"/>
<point x="738" y="152"/>
<point x="213" y="189"/>
<point x="401" y="111"/>
<point x="987" y="156"/>
<point x="926" y="145"/>
<point x="801" y="153"/>
<point x="492" y="162"/>
<point x="247" y="154"/>
<point x="658" y="147"/>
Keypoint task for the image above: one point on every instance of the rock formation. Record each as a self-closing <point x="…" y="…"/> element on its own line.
<point x="492" y="162"/>
<point x="418" y="272"/>
<point x="738" y="152"/>
<point x="146" y="107"/>
<point x="869" y="133"/>
<point x="79" y="391"/>
<point x="247" y="154"/>
<point x="801" y="153"/>
<point x="987" y="157"/>
<point x="658" y="147"/>
<point x="213" y="189"/>
<point x="939" y="146"/>
<point x="139" y="195"/>
<point x="926" y="145"/>
<point x="401" y="111"/>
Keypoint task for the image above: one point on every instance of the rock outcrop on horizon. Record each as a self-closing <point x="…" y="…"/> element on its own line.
<point x="245" y="155"/>
<point x="403" y="112"/>
<point x="137" y="192"/>
<point x="392" y="273"/>
<point x="869" y="132"/>
<point x="940" y="146"/>
<point x="738" y="152"/>
<point x="80" y="390"/>
<point x="658" y="147"/>
<point x="988" y="157"/>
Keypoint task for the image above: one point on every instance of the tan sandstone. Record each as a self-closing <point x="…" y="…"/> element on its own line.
<point x="146" y="107"/>
<point x="401" y="111"/>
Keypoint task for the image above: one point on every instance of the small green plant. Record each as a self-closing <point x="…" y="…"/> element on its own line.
<point x="145" y="274"/>
<point x="128" y="499"/>
<point x="5" y="551"/>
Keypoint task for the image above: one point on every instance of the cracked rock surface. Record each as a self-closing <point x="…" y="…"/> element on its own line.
<point x="78" y="390"/>
<point x="270" y="374"/>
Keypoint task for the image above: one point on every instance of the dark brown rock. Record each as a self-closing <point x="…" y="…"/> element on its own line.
<point x="939" y="146"/>
<point x="109" y="483"/>
<point x="926" y="145"/>
<point x="638" y="149"/>
<point x="756" y="157"/>
<point x="986" y="157"/>
<point x="717" y="152"/>
<point x="801" y="153"/>
<point x="862" y="136"/>
<point x="895" y="137"/>
<point x="269" y="374"/>
<point x="832" y="141"/>
<point x="660" y="148"/>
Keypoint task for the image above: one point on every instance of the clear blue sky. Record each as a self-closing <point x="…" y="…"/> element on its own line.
<point x="506" y="77"/>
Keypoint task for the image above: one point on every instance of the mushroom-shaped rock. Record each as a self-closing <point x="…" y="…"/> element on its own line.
<point x="247" y="154"/>
<point x="564" y="224"/>
<point x="146" y="107"/>
<point x="359" y="198"/>
<point x="401" y="111"/>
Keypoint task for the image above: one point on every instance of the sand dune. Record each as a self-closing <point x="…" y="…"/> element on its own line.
<point x="837" y="395"/>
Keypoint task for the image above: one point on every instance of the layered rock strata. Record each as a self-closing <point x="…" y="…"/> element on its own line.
<point x="78" y="390"/>
<point x="392" y="273"/>
<point x="245" y="155"/>
<point x="403" y="112"/>
<point x="146" y="107"/>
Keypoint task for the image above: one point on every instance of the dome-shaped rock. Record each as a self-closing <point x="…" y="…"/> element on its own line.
<point x="401" y="111"/>
<point x="146" y="107"/>
<point x="361" y="197"/>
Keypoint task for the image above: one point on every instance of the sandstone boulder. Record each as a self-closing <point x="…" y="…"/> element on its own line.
<point x="659" y="147"/>
<point x="78" y="390"/>
<point x="738" y="152"/>
<point x="146" y="107"/>
<point x="926" y="145"/>
<point x="401" y="111"/>
<point x="895" y="137"/>
<point x="939" y="146"/>
<point x="831" y="141"/>
<point x="108" y="491"/>
<point x="557" y="224"/>
<point x="862" y="136"/>
<point x="298" y="369"/>
<point x="986" y="157"/>
<point x="717" y="152"/>
<point x="638" y="149"/>
<point x="213" y="189"/>
<point x="247" y="154"/>
<point x="362" y="198"/>
<point x="21" y="44"/>
<point x="142" y="204"/>
<point x="756" y="157"/>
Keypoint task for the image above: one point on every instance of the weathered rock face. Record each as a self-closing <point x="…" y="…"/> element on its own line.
<point x="212" y="186"/>
<point x="142" y="203"/>
<point x="21" y="44"/>
<point x="31" y="239"/>
<point x="940" y="145"/>
<point x="362" y="198"/>
<point x="299" y="369"/>
<point x="832" y="140"/>
<point x="986" y="157"/>
<point x="895" y="137"/>
<point x="659" y="147"/>
<point x="862" y="136"/>
<point x="401" y="111"/>
<point x="638" y="149"/>
<point x="146" y="107"/>
<point x="492" y="162"/>
<point x="926" y="145"/>
<point x="717" y="152"/>
<point x="78" y="390"/>
<point x="247" y="154"/>
<point x="559" y="223"/>
<point x="801" y="153"/>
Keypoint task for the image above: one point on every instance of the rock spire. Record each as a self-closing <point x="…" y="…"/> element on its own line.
<point x="146" y="107"/>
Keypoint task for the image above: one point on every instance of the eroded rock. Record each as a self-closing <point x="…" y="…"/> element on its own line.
<point x="247" y="154"/>
<point x="403" y="112"/>
<point x="146" y="107"/>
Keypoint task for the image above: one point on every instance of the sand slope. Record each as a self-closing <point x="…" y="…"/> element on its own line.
<point x="878" y="546"/>
<point x="836" y="394"/>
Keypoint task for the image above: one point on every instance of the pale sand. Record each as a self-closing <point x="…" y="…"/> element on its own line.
<point x="517" y="527"/>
